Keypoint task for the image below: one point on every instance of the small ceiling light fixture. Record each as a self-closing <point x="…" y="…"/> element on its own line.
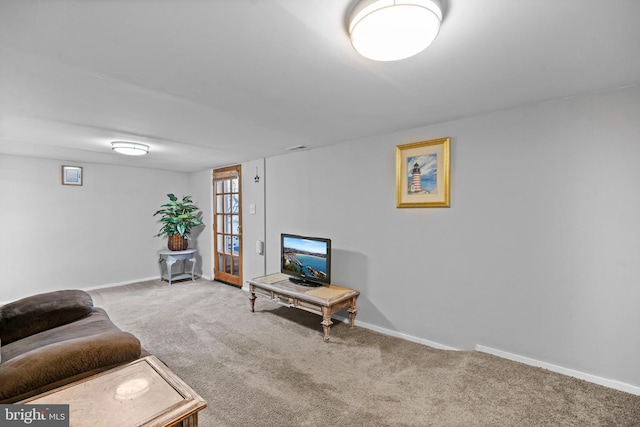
<point x="130" y="148"/>
<point x="389" y="30"/>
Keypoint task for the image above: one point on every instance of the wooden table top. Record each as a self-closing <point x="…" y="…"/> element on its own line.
<point x="142" y="393"/>
<point x="325" y="295"/>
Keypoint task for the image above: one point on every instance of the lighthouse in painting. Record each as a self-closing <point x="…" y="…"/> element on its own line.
<point x="415" y="179"/>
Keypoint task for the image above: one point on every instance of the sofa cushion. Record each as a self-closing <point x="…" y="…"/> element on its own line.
<point x="64" y="354"/>
<point x="38" y="313"/>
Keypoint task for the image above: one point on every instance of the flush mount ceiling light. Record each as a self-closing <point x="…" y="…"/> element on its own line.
<point x="388" y="30"/>
<point x="130" y="148"/>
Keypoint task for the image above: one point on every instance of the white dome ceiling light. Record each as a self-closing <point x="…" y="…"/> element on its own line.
<point x="389" y="30"/>
<point x="130" y="148"/>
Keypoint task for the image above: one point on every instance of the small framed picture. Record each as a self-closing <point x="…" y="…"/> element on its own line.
<point x="71" y="175"/>
<point x="422" y="174"/>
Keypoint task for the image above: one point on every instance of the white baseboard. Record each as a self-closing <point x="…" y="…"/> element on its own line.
<point x="606" y="382"/>
<point x="113" y="285"/>
<point x="345" y="319"/>
<point x="130" y="282"/>
<point x="614" y="384"/>
<point x="397" y="334"/>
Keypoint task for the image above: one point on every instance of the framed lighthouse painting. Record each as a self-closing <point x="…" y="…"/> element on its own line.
<point x="422" y="174"/>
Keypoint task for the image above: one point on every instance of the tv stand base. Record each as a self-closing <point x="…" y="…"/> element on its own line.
<point x="304" y="283"/>
<point x="323" y="300"/>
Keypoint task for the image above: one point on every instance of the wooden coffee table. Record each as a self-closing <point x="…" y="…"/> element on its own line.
<point x="322" y="300"/>
<point x="143" y="393"/>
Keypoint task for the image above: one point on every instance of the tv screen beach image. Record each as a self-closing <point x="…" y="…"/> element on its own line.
<point x="308" y="257"/>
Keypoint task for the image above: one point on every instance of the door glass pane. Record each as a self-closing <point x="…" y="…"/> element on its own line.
<point x="236" y="266"/>
<point x="227" y="203"/>
<point x="220" y="262"/>
<point x="234" y="203"/>
<point x="234" y="185"/>
<point x="227" y="244"/>
<point x="219" y="223"/>
<point x="219" y="208"/>
<point x="220" y="245"/>
<point x="236" y="245"/>
<point x="227" y="186"/>
<point x="227" y="267"/>
<point x="219" y="186"/>
<point x="227" y="224"/>
<point x="235" y="220"/>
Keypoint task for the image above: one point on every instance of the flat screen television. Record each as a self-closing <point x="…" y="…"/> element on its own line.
<point x="306" y="259"/>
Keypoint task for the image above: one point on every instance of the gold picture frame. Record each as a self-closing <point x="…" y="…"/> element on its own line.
<point x="423" y="174"/>
<point x="71" y="175"/>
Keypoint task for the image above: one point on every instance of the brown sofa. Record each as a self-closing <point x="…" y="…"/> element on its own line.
<point x="51" y="339"/>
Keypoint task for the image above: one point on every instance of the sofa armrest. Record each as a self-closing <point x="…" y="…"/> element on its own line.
<point x="41" y="312"/>
<point x="60" y="363"/>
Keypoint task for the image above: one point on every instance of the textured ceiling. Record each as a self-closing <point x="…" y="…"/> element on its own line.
<point x="212" y="83"/>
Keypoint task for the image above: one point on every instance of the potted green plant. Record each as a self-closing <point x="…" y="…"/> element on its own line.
<point x="178" y="217"/>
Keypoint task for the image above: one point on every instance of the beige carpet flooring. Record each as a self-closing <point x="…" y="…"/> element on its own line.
<point x="272" y="368"/>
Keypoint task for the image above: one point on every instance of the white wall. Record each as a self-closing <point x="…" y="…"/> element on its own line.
<point x="60" y="237"/>
<point x="253" y="224"/>
<point x="201" y="191"/>
<point x="537" y="256"/>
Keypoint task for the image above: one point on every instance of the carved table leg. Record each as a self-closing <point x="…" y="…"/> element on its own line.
<point x="170" y="261"/>
<point x="160" y="266"/>
<point x="326" y="322"/>
<point x="352" y="312"/>
<point x="252" y="298"/>
<point x="193" y="268"/>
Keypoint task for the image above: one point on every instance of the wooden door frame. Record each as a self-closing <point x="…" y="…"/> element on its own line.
<point x="217" y="273"/>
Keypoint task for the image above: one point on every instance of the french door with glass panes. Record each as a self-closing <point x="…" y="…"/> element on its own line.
<point x="228" y="225"/>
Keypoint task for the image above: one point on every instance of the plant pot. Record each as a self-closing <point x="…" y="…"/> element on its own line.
<point x="177" y="243"/>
